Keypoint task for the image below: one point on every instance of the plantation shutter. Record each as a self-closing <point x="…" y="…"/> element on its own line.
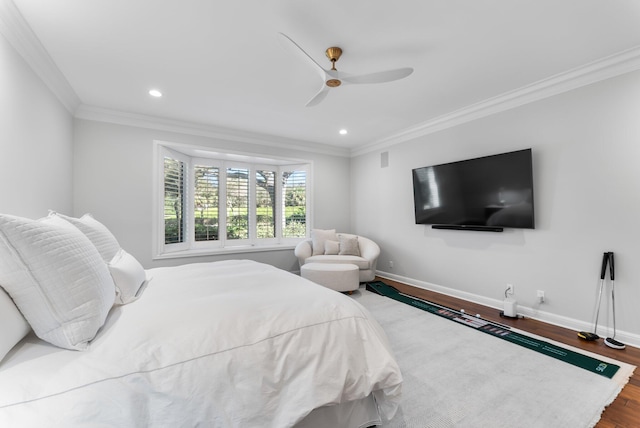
<point x="294" y="196"/>
<point x="237" y="203"/>
<point x="206" y="207"/>
<point x="174" y="201"/>
<point x="265" y="204"/>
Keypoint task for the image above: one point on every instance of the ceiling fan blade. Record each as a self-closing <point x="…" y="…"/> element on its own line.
<point x="289" y="43"/>
<point x="317" y="98"/>
<point x="379" y="77"/>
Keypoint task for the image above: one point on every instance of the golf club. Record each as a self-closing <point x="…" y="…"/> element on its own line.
<point x="585" y="334"/>
<point x="611" y="342"/>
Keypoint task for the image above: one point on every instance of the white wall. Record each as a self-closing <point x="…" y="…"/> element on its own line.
<point x="36" y="142"/>
<point x="586" y="148"/>
<point x="114" y="181"/>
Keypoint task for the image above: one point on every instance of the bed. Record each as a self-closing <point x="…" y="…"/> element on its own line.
<point x="224" y="344"/>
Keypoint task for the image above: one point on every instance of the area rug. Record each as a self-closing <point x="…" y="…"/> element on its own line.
<point x="457" y="377"/>
<point x="501" y="331"/>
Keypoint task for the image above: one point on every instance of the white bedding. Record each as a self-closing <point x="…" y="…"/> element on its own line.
<point x="225" y="344"/>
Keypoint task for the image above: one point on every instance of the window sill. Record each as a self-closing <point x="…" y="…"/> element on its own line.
<point x="220" y="251"/>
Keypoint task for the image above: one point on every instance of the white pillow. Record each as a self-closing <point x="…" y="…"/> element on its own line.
<point x="56" y="278"/>
<point x="318" y="237"/>
<point x="331" y="247"/>
<point x="98" y="234"/>
<point x="128" y="276"/>
<point x="349" y="246"/>
<point x="14" y="326"/>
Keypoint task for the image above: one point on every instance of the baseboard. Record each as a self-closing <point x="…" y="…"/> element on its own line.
<point x="529" y="312"/>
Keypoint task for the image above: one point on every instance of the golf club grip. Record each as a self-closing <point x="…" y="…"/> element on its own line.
<point x="611" y="269"/>
<point x="605" y="259"/>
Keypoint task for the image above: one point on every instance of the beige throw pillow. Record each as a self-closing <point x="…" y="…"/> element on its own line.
<point x="349" y="246"/>
<point x="331" y="247"/>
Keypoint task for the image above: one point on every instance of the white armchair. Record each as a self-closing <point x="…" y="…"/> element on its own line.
<point x="332" y="247"/>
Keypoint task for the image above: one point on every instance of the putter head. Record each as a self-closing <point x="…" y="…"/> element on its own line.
<point x="585" y="335"/>
<point x="612" y="343"/>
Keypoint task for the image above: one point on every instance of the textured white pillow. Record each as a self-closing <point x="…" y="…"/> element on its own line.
<point x="318" y="237"/>
<point x="349" y="246"/>
<point x="14" y="326"/>
<point x="128" y="275"/>
<point x="56" y="278"/>
<point x="331" y="247"/>
<point x="98" y="234"/>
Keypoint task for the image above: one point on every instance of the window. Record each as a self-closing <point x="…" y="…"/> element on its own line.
<point x="294" y="184"/>
<point x="205" y="203"/>
<point x="266" y="203"/>
<point x="228" y="202"/>
<point x="237" y="203"/>
<point x="173" y="201"/>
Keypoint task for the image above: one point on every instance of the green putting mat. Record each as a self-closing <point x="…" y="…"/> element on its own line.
<point x="500" y="331"/>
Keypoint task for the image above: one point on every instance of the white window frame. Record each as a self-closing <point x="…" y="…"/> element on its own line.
<point x="307" y="167"/>
<point x="223" y="183"/>
<point x="182" y="246"/>
<point x="203" y="245"/>
<point x="278" y="195"/>
<point x="221" y="159"/>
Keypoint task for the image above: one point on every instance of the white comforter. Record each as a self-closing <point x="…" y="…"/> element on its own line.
<point x="225" y="344"/>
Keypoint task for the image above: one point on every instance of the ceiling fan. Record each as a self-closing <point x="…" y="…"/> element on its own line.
<point x="332" y="78"/>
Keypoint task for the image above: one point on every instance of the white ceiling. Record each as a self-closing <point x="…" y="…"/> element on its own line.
<point x="220" y="64"/>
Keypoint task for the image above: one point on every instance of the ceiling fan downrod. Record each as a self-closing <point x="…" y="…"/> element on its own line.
<point x="333" y="54"/>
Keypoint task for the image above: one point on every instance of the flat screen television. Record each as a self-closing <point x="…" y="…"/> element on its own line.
<point x="488" y="193"/>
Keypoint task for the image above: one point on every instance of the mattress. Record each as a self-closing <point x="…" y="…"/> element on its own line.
<point x="225" y="344"/>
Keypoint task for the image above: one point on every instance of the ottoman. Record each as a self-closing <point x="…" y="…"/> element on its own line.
<point x="337" y="276"/>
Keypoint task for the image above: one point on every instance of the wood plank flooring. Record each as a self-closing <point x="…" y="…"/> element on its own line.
<point x="624" y="412"/>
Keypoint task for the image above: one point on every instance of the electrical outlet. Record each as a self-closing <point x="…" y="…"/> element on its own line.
<point x="390" y="264"/>
<point x="509" y="289"/>
<point x="540" y="296"/>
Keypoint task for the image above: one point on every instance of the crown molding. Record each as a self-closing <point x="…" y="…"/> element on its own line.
<point x="18" y="33"/>
<point x="602" y="69"/>
<point x="100" y="114"/>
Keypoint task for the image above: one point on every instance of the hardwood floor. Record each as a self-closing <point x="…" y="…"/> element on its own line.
<point x="624" y="412"/>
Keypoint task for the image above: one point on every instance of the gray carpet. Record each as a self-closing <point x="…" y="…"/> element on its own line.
<point x="455" y="376"/>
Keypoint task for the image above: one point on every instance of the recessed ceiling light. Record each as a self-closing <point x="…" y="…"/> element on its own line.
<point x="343" y="132"/>
<point x="155" y="93"/>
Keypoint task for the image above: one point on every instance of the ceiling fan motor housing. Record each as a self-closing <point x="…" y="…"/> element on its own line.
<point x="333" y="54"/>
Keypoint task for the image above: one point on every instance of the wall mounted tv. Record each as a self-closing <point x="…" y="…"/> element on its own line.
<point x="487" y="193"/>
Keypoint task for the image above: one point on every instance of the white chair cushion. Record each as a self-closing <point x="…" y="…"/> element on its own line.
<point x="56" y="278"/>
<point x="354" y="260"/>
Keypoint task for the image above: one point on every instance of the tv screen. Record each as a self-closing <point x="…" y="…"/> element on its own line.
<point x="490" y="192"/>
